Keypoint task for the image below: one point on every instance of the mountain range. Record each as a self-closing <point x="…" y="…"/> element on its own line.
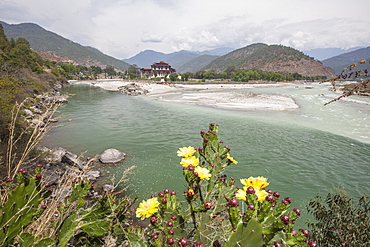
<point x="344" y="60"/>
<point x="256" y="56"/>
<point x="45" y="41"/>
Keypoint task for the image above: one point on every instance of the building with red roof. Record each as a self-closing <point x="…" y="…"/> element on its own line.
<point x="160" y="69"/>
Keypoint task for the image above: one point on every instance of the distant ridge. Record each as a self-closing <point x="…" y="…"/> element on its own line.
<point x="344" y="60"/>
<point x="197" y="63"/>
<point x="176" y="59"/>
<point x="49" y="42"/>
<point x="270" y="58"/>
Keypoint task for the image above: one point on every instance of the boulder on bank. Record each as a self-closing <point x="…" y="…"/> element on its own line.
<point x="111" y="155"/>
<point x="73" y="160"/>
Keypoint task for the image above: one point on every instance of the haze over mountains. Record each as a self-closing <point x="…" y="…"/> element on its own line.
<point x="264" y="58"/>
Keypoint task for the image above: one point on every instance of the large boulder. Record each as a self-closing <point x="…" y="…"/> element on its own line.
<point x="73" y="160"/>
<point x="112" y="156"/>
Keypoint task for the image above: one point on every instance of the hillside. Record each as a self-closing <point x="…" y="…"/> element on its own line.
<point x="196" y="64"/>
<point x="270" y="58"/>
<point x="344" y="60"/>
<point x="49" y="42"/>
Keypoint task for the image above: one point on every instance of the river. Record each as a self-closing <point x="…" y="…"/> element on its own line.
<point x="310" y="150"/>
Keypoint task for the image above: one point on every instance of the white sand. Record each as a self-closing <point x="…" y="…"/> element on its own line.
<point x="208" y="95"/>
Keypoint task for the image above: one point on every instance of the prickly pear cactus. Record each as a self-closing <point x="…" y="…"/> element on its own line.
<point x="19" y="209"/>
<point x="213" y="214"/>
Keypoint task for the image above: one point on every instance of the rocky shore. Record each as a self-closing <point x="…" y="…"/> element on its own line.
<point x="58" y="161"/>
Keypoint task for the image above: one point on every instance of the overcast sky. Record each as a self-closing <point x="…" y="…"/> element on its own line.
<point x="123" y="28"/>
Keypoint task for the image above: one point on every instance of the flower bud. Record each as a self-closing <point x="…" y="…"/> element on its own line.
<point x="164" y="201"/>
<point x="38" y="165"/>
<point x="155" y="236"/>
<point x="251" y="207"/>
<point x="198" y="244"/>
<point x="166" y="191"/>
<point x="169" y="224"/>
<point x="233" y="202"/>
<point x="304" y="231"/>
<point x="38" y="176"/>
<point x="250" y="190"/>
<point x="205" y="140"/>
<point x="153" y="219"/>
<point x="171" y="232"/>
<point x="297" y="211"/>
<point x="312" y="244"/>
<point x="288" y="199"/>
<point x="173" y="193"/>
<point x="216" y="243"/>
<point x="8" y="180"/>
<point x="277" y="244"/>
<point x="208" y="205"/>
<point x="183" y="242"/>
<point x="190" y="193"/>
<point x="285" y="219"/>
<point x="161" y="194"/>
<point x="170" y="241"/>
<point x="173" y="217"/>
<point x="276" y="194"/>
<point x="269" y="198"/>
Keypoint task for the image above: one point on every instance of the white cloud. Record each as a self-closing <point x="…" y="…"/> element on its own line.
<point x="123" y="28"/>
<point x="148" y="37"/>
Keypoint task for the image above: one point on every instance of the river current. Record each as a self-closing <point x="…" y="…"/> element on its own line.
<point x="310" y="150"/>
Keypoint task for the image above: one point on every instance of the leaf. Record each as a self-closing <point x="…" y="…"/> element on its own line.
<point x="246" y="235"/>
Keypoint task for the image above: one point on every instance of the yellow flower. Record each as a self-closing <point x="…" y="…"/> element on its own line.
<point x="186" y="151"/>
<point x="257" y="183"/>
<point x="203" y="173"/>
<point x="240" y="195"/>
<point x="190" y="160"/>
<point x="231" y="159"/>
<point x="261" y="194"/>
<point x="147" y="208"/>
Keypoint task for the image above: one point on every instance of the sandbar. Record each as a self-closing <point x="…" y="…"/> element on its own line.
<point x="213" y="95"/>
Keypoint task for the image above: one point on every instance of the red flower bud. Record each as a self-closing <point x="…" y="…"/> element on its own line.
<point x="250" y="190"/>
<point x="183" y="242"/>
<point x="285" y="219"/>
<point x="233" y="202"/>
<point x="297" y="211"/>
<point x="170" y="241"/>
<point x="153" y="219"/>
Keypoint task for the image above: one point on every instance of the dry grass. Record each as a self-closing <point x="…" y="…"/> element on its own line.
<point x="17" y="155"/>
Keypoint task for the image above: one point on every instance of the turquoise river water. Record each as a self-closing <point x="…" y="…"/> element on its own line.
<point x="310" y="150"/>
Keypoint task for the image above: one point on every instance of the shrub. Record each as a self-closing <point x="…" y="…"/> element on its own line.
<point x="340" y="222"/>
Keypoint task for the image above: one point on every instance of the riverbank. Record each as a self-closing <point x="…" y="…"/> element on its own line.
<point x="225" y="96"/>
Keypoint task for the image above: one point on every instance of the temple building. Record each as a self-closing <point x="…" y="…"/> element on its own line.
<point x="160" y="69"/>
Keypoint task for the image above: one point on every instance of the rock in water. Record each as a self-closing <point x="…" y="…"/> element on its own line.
<point x="111" y="156"/>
